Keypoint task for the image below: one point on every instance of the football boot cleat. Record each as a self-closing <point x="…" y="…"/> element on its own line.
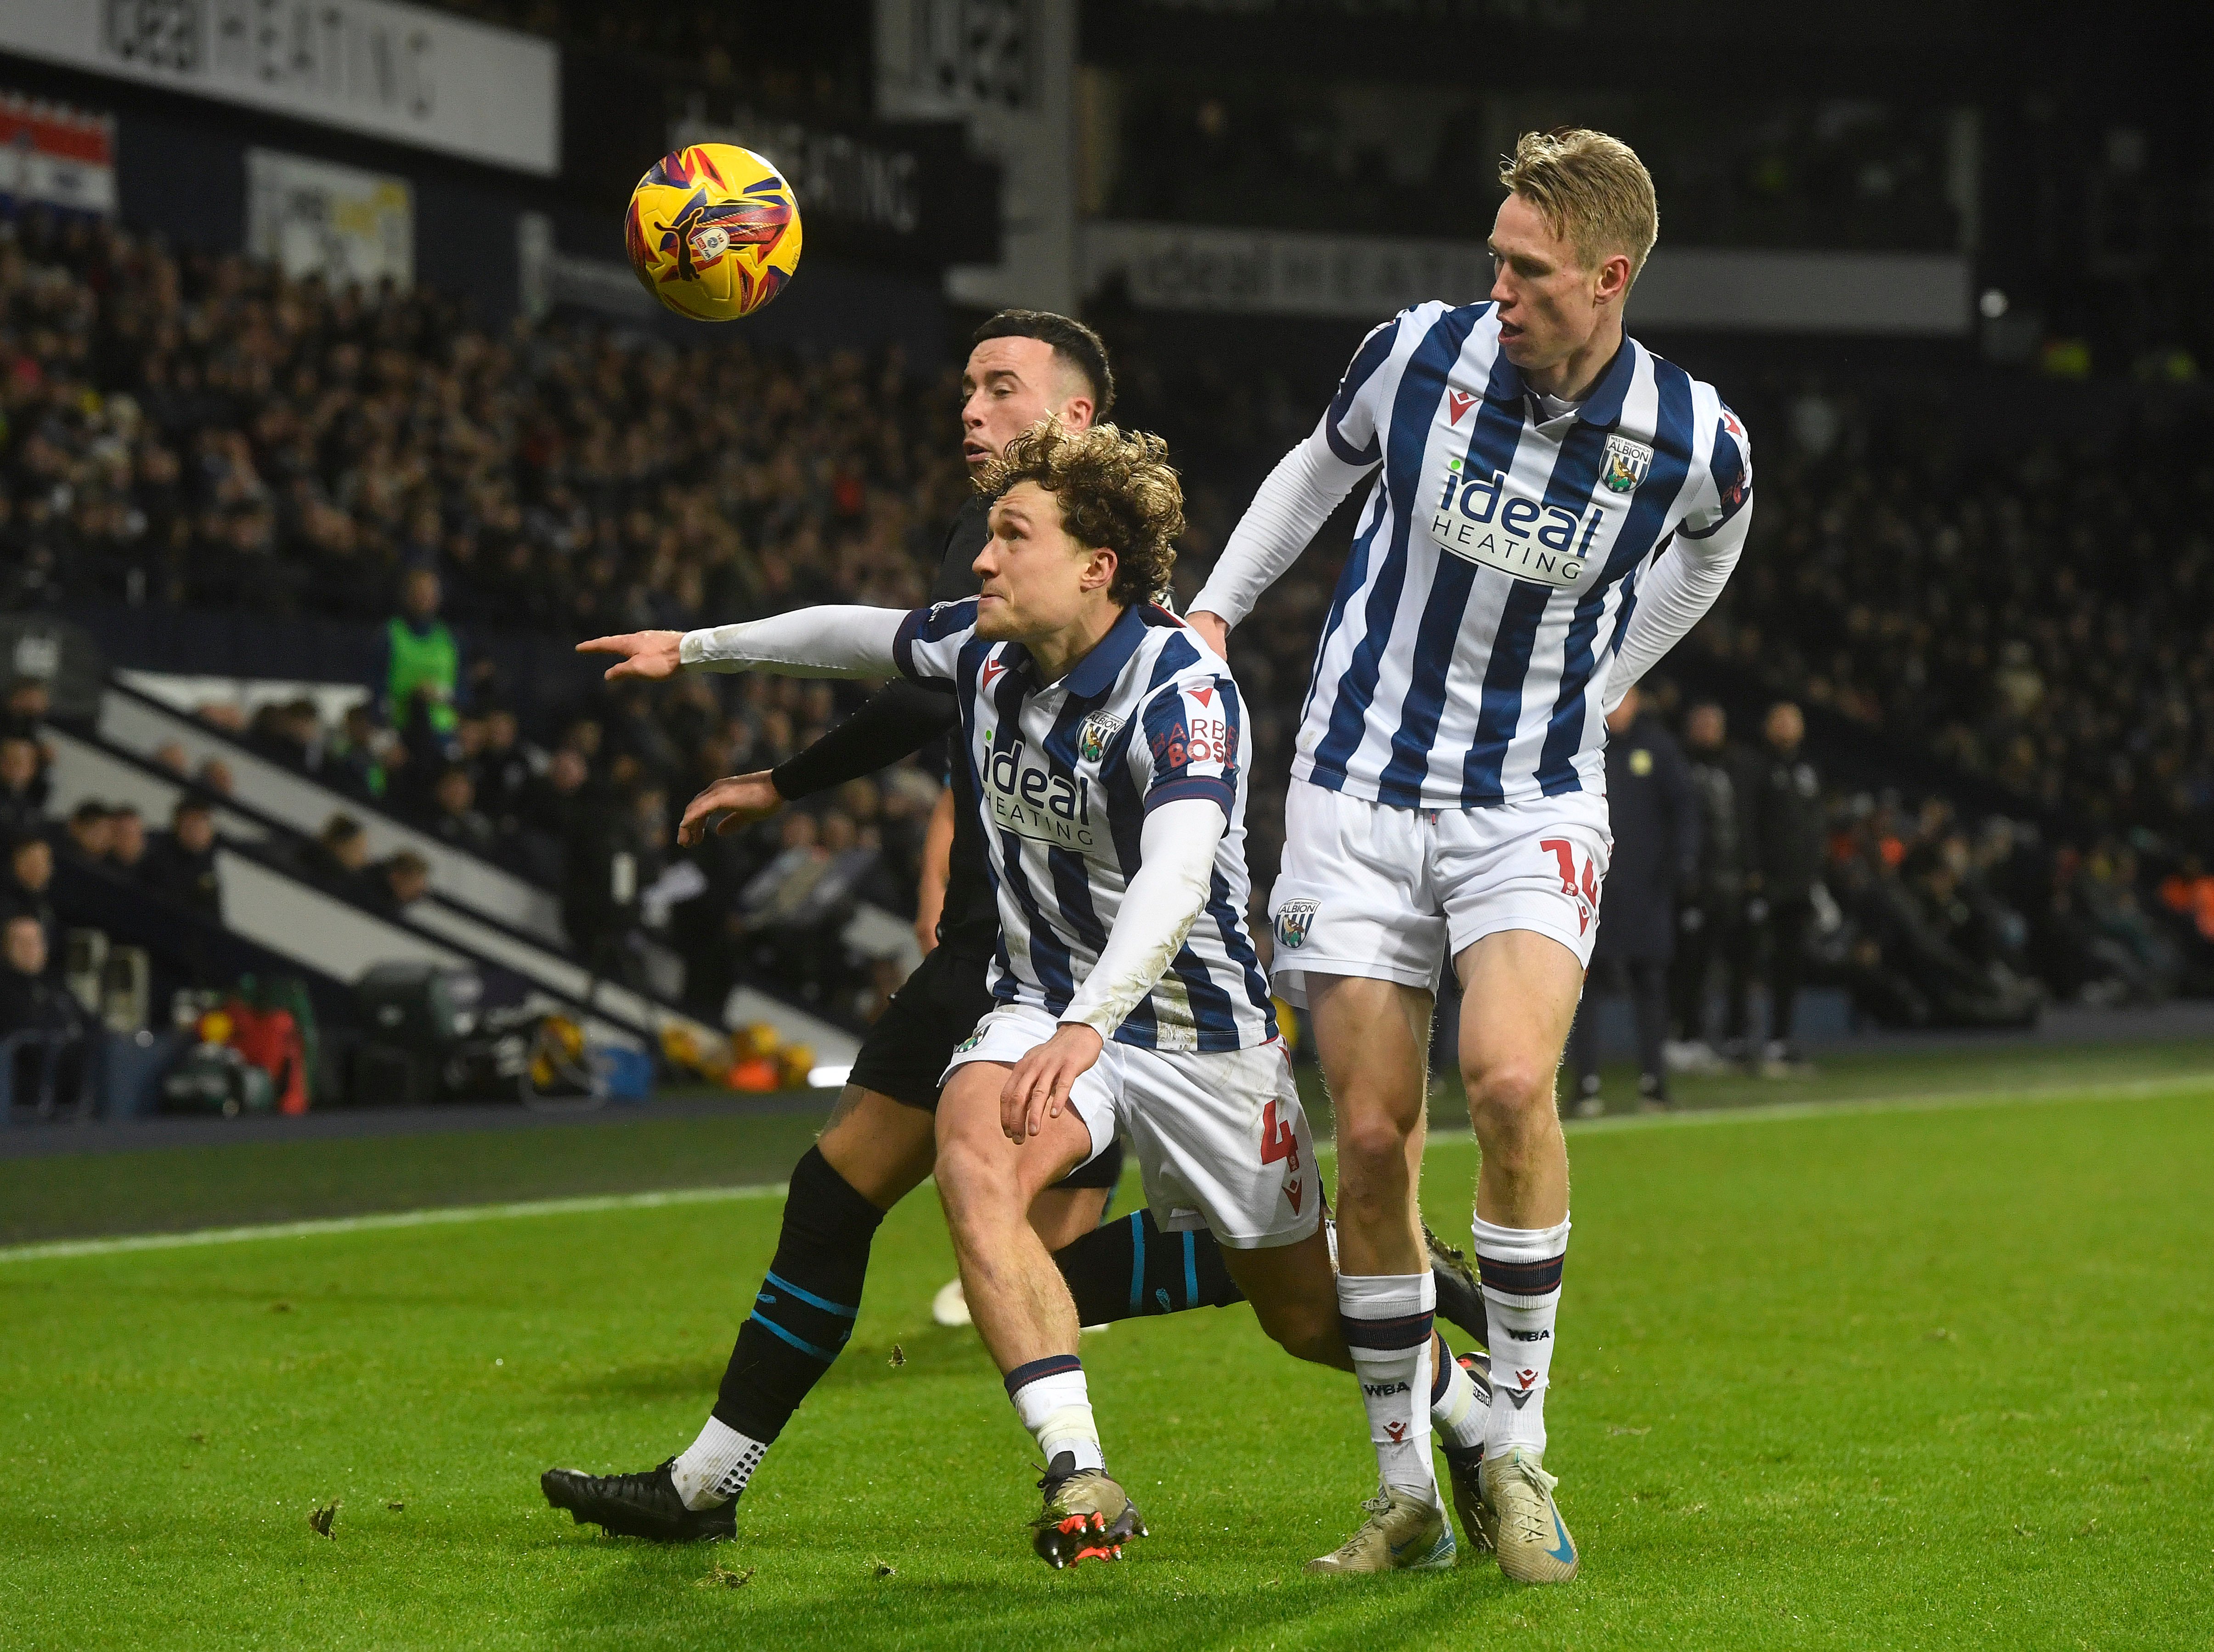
<point x="1516" y="1512"/>
<point x="638" y="1506"/>
<point x="1460" y="1298"/>
<point x="1402" y="1534"/>
<point x="1086" y="1515"/>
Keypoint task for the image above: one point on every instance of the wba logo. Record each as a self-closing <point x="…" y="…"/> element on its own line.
<point x="1384" y="1389"/>
<point x="1478" y="519"/>
<point x="1029" y="799"/>
<point x="1530" y="1336"/>
<point x="1091" y="739"/>
<point x="1294" y="920"/>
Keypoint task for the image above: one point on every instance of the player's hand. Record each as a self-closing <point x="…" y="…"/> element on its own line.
<point x="1037" y="1089"/>
<point x="740" y="800"/>
<point x="648" y="654"/>
<point x="1211" y="627"/>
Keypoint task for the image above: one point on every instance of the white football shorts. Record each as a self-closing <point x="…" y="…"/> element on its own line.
<point x="1221" y="1140"/>
<point x="1389" y="894"/>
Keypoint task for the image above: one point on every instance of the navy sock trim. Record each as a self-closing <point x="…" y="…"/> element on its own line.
<point x="1387" y="1335"/>
<point x="1439" y="1378"/>
<point x="1520" y="1278"/>
<point x="1053" y="1365"/>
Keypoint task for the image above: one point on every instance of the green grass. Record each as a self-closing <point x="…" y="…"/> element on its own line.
<point x="224" y="1182"/>
<point x="1920" y="1378"/>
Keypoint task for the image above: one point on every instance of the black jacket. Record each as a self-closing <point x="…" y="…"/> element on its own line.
<point x="175" y="872"/>
<point x="1719" y="779"/>
<point x="901" y="718"/>
<point x="1783" y="826"/>
<point x="1654" y="812"/>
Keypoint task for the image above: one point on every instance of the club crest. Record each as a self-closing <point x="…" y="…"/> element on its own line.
<point x="1625" y="464"/>
<point x="1294" y="920"/>
<point x="1092" y="738"/>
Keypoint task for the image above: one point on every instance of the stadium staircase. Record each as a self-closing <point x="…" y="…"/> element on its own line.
<point x="479" y="912"/>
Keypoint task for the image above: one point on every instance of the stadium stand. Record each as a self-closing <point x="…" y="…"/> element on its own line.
<point x="193" y="434"/>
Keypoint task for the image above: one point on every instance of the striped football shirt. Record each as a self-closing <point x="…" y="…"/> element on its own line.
<point x="1065" y="774"/>
<point x="1464" y="659"/>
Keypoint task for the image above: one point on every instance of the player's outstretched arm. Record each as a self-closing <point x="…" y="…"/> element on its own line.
<point x="836" y="639"/>
<point x="1176" y="847"/>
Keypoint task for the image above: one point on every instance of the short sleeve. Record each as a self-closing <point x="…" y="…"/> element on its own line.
<point x="928" y="645"/>
<point x="1731" y="476"/>
<point x="1193" y="735"/>
<point x="1349" y="426"/>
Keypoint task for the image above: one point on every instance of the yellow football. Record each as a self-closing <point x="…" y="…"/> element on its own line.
<point x="713" y="231"/>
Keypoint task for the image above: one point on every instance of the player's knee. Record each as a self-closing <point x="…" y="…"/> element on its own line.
<point x="1309" y="1333"/>
<point x="975" y="1183"/>
<point x="1504" y="1095"/>
<point x="1371" y="1146"/>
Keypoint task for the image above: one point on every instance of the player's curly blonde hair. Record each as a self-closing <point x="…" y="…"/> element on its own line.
<point x="1591" y="189"/>
<point x="1117" y="492"/>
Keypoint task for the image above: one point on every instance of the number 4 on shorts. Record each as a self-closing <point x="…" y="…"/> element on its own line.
<point x="1278" y="1140"/>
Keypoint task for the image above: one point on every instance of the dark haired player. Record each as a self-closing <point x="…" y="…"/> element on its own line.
<point x="878" y="1145"/>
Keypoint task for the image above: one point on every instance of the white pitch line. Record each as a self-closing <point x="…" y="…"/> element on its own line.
<point x="1771" y="1112"/>
<point x="394" y="1218"/>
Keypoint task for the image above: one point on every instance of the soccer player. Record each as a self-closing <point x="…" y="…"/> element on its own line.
<point x="878" y="1145"/>
<point x="1556" y="507"/>
<point x="1102" y="746"/>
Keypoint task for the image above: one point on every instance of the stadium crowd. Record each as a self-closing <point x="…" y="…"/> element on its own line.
<point x="201" y="432"/>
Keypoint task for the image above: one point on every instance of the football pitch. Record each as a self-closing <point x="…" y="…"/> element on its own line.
<point x="1922" y="1373"/>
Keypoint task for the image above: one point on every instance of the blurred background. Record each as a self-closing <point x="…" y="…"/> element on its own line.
<point x="331" y="417"/>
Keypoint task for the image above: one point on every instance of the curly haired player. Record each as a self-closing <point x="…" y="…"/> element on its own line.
<point x="1102" y="745"/>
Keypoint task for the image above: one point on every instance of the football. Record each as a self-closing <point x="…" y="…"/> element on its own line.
<point x="713" y="231"/>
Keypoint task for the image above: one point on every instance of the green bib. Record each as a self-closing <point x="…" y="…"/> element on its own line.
<point x="431" y="661"/>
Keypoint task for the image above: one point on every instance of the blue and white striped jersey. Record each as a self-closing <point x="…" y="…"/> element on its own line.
<point x="1464" y="661"/>
<point x="1064" y="774"/>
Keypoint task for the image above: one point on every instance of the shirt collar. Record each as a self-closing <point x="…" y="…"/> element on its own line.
<point x="1096" y="672"/>
<point x="1603" y="407"/>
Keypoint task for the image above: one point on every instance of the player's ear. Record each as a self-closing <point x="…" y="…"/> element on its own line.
<point x="1099" y="571"/>
<point x="1076" y="414"/>
<point x="1613" y="277"/>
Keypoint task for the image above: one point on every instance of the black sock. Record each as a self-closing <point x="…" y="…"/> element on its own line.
<point x="1129" y="1268"/>
<point x="806" y="1310"/>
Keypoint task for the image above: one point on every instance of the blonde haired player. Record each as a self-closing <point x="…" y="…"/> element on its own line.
<point x="1555" y="507"/>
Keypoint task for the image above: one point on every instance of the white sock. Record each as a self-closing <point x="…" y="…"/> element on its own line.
<point x="1520" y="1267"/>
<point x="1458" y="1408"/>
<point x="1051" y="1400"/>
<point x="715" y="1467"/>
<point x="1386" y="1319"/>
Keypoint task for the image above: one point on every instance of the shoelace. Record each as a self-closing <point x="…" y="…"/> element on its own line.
<point x="1528" y="1514"/>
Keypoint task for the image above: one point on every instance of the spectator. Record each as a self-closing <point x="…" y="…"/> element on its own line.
<point x="126" y="840"/>
<point x="503" y="772"/>
<point x="1711" y="917"/>
<point x="25" y="711"/>
<point x="334" y="858"/>
<point x="90" y="831"/>
<point x="454" y="818"/>
<point x="419" y="679"/>
<point x="1655" y="811"/>
<point x="29" y="891"/>
<point x="33" y="1002"/>
<point x="180" y="863"/>
<point x="1783" y="840"/>
<point x="390" y="887"/>
<point x="23" y="785"/>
